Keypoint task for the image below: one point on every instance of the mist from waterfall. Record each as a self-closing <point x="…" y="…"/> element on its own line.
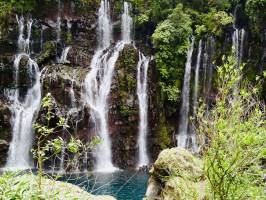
<point x="183" y="135"/>
<point x="143" y="65"/>
<point x="97" y="84"/>
<point x="23" y="111"/>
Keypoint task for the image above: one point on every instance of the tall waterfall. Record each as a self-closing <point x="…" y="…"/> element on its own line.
<point x="183" y="135"/>
<point x="98" y="82"/>
<point x="143" y="65"/>
<point x="127" y="24"/>
<point x="58" y="22"/>
<point x="238" y="44"/>
<point x="196" y="81"/>
<point x="208" y="67"/>
<point x="23" y="111"/>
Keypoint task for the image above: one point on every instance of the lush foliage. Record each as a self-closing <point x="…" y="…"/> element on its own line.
<point x="236" y="133"/>
<point x="176" y="22"/>
<point x="12" y="188"/>
<point x="46" y="146"/>
<point x="255" y="9"/>
<point x="171" y="42"/>
<point x="21" y="186"/>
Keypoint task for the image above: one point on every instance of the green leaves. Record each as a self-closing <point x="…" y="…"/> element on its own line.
<point x="213" y="22"/>
<point x="236" y="133"/>
<point x="171" y="42"/>
<point x="56" y="145"/>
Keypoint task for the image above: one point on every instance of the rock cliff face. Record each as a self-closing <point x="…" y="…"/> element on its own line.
<point x="73" y="24"/>
<point x="78" y="30"/>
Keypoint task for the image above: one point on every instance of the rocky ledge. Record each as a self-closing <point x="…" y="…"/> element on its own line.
<point x="176" y="175"/>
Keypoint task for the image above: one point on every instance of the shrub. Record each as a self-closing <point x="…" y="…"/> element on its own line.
<point x="235" y="131"/>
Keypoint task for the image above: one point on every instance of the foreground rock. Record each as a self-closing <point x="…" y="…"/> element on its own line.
<point x="25" y="187"/>
<point x="68" y="191"/>
<point x="175" y="175"/>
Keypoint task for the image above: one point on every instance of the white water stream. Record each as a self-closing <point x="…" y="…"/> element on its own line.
<point x="98" y="81"/>
<point x="142" y="82"/>
<point x="183" y="135"/>
<point x="23" y="110"/>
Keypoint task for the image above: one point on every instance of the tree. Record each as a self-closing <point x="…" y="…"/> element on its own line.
<point x="171" y="42"/>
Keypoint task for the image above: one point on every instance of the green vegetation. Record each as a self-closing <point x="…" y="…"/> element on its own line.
<point x="236" y="133"/>
<point x="171" y="42"/>
<point x="179" y="176"/>
<point x="44" y="146"/>
<point x="175" y="21"/>
<point x="17" y="186"/>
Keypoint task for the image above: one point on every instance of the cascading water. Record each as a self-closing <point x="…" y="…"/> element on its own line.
<point x="196" y="81"/>
<point x="58" y="22"/>
<point x="72" y="94"/>
<point x="238" y="44"/>
<point x="63" y="58"/>
<point x="143" y="65"/>
<point x="183" y="135"/>
<point x="238" y="38"/>
<point x="23" y="111"/>
<point x="208" y="67"/>
<point x="127" y="24"/>
<point x="98" y="82"/>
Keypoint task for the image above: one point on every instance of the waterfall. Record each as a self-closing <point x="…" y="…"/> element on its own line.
<point x="238" y="44"/>
<point x="143" y="65"/>
<point x="63" y="58"/>
<point x="23" y="111"/>
<point x="182" y="137"/>
<point x="58" y="22"/>
<point x="208" y="68"/>
<point x="98" y="82"/>
<point x="72" y="94"/>
<point x="127" y="24"/>
<point x="196" y="81"/>
<point x="104" y="27"/>
<point x="62" y="157"/>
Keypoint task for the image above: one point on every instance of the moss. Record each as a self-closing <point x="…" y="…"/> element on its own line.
<point x="49" y="50"/>
<point x="176" y="175"/>
<point x="127" y="83"/>
<point x="127" y="111"/>
<point x="177" y="162"/>
<point x="68" y="38"/>
<point x="164" y="136"/>
<point x="179" y="188"/>
<point x="127" y="69"/>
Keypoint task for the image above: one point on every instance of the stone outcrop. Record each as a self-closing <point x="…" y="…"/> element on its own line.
<point x="176" y="174"/>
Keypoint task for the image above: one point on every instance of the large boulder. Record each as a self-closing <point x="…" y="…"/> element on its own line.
<point x="176" y="174"/>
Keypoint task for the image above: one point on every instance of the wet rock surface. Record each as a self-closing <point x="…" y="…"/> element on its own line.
<point x="176" y="174"/>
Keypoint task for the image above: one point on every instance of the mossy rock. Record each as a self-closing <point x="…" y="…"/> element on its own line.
<point x="176" y="175"/>
<point x="49" y="51"/>
<point x="25" y="187"/>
